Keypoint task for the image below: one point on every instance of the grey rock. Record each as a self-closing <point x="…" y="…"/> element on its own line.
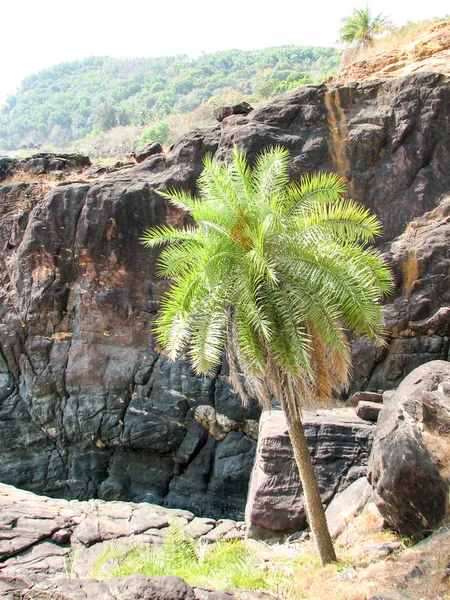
<point x="222" y="528"/>
<point x="415" y="573"/>
<point x="379" y="551"/>
<point x="122" y="588"/>
<point x="199" y="527"/>
<point x="107" y="530"/>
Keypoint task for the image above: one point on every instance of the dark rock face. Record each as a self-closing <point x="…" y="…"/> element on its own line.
<point x="88" y="405"/>
<point x="411" y="494"/>
<point x="340" y="446"/>
<point x="417" y="317"/>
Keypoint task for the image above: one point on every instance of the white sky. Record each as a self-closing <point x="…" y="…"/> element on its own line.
<point x="35" y="35"/>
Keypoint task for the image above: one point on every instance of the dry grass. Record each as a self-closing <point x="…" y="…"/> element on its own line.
<point x="439" y="447"/>
<point x="363" y="571"/>
<point x="45" y="182"/>
<point x="393" y="40"/>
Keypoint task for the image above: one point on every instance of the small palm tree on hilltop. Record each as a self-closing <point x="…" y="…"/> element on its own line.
<point x="272" y="272"/>
<point x="360" y="28"/>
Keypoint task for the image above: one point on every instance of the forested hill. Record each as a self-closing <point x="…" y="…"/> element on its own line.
<point x="70" y="100"/>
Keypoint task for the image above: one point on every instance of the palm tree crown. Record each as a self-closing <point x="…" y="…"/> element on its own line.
<point x="361" y="28"/>
<point x="273" y="272"/>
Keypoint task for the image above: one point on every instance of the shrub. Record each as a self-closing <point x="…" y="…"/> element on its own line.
<point x="155" y="133"/>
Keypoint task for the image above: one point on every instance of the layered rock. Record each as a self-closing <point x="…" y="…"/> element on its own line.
<point x="39" y="536"/>
<point x="340" y="445"/>
<point x="89" y="405"/>
<point x="40" y="164"/>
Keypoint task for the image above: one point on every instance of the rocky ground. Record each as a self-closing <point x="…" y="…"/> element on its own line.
<point x="43" y="540"/>
<point x="49" y="549"/>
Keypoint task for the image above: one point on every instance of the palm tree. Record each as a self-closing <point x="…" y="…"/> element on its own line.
<point x="360" y="28"/>
<point x="271" y="272"/>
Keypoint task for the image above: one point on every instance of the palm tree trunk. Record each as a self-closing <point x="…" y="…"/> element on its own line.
<point x="313" y="502"/>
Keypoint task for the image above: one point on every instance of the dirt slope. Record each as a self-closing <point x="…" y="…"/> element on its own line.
<point x="426" y="49"/>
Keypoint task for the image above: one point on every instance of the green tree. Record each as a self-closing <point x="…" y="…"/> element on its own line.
<point x="155" y="133"/>
<point x="271" y="272"/>
<point x="360" y="28"/>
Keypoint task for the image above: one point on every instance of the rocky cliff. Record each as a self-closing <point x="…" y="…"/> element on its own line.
<point x="89" y="407"/>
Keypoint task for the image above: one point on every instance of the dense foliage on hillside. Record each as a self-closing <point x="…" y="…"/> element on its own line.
<point x="70" y="100"/>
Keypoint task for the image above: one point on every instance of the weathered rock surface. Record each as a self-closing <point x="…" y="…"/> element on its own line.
<point x="368" y="411"/>
<point x="417" y="315"/>
<point x="42" y="537"/>
<point x="365" y="397"/>
<point x="411" y="493"/>
<point x="121" y="588"/>
<point x="89" y="407"/>
<point x="340" y="445"/>
<point x="222" y="112"/>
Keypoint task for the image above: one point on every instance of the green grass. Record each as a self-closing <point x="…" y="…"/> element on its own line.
<point x="227" y="564"/>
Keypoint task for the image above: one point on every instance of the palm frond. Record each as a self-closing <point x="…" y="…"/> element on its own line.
<point x="271" y="174"/>
<point x="344" y="220"/>
<point x="167" y="234"/>
<point x="311" y="189"/>
<point x="273" y="271"/>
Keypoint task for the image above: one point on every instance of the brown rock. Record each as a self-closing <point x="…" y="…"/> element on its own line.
<point x="339" y="445"/>
<point x="368" y="411"/>
<point x="365" y="397"/>
<point x="411" y="494"/>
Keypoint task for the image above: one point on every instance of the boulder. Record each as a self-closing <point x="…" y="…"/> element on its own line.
<point x="368" y="411"/>
<point x="148" y="150"/>
<point x="411" y="494"/>
<point x="340" y="445"/>
<point x="222" y="112"/>
<point x="365" y="397"/>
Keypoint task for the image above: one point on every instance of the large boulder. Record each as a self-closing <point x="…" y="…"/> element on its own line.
<point x="222" y="112"/>
<point x="411" y="493"/>
<point x="339" y="444"/>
